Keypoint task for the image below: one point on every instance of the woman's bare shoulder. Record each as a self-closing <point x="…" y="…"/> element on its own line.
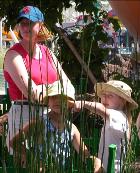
<point x="11" y="53"/>
<point x="10" y="58"/>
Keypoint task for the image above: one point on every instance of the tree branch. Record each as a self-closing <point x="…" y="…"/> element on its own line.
<point x="76" y="54"/>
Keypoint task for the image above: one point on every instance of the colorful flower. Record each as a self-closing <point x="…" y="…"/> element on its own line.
<point x="26" y="10"/>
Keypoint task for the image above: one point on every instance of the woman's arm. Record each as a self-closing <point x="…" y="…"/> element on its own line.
<point x="15" y="66"/>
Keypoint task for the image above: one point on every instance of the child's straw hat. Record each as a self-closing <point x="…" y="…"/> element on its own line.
<point x="117" y="87"/>
<point x="57" y="88"/>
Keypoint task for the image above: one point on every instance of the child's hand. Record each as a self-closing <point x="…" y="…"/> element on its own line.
<point x="98" y="166"/>
<point x="78" y="105"/>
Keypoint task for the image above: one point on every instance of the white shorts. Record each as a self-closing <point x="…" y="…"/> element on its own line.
<point x="18" y="116"/>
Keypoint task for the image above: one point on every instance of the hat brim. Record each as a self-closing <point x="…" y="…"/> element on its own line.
<point x="57" y="88"/>
<point x="29" y="17"/>
<point x="104" y="87"/>
<point x="64" y="96"/>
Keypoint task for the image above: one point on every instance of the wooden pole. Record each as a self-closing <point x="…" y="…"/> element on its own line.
<point x="75" y="52"/>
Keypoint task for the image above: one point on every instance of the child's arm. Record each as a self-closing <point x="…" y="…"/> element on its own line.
<point x="18" y="143"/>
<point x="19" y="146"/>
<point x="19" y="134"/>
<point x="94" y="107"/>
<point x="3" y="118"/>
<point x="78" y="142"/>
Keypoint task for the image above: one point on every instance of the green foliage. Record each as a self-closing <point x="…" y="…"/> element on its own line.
<point x="88" y="39"/>
<point x="132" y="152"/>
<point x="115" y="23"/>
<point x="51" y="9"/>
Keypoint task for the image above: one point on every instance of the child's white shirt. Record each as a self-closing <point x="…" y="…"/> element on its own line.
<point x="116" y="127"/>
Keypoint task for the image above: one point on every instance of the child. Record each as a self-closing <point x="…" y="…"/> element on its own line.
<point x="116" y="104"/>
<point x="59" y="131"/>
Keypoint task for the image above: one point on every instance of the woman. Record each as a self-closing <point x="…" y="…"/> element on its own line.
<point x="28" y="68"/>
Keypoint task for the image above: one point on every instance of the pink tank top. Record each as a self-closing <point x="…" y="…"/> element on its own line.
<point x="43" y="70"/>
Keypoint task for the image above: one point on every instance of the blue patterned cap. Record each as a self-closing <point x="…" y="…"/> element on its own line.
<point x="32" y="13"/>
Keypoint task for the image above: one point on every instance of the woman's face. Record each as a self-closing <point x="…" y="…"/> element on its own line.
<point x="29" y="29"/>
<point x="112" y="101"/>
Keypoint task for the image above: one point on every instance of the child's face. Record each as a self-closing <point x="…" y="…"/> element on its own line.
<point x="57" y="103"/>
<point x="112" y="101"/>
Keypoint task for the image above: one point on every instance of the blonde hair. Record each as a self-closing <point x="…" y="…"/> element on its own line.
<point x="44" y="34"/>
<point x="127" y="110"/>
